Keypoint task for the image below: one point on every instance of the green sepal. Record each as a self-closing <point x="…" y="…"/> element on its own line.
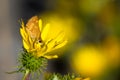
<point x="35" y="65"/>
<point x="32" y="63"/>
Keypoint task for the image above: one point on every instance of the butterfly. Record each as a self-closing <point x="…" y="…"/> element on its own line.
<point x="32" y="27"/>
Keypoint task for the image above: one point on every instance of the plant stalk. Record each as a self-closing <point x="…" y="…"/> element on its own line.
<point x="26" y="75"/>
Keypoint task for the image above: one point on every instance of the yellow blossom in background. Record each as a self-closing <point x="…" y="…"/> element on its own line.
<point x="40" y="40"/>
<point x="88" y="61"/>
<point x="82" y="79"/>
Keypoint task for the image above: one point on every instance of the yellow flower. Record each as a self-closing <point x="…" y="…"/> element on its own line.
<point x="82" y="79"/>
<point x="36" y="40"/>
<point x="88" y="60"/>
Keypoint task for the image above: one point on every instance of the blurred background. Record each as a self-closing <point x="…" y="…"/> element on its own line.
<point x="92" y="28"/>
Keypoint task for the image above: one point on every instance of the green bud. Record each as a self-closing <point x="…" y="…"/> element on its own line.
<point x="32" y="63"/>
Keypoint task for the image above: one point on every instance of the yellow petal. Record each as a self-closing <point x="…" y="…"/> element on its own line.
<point x="22" y="24"/>
<point x="51" y="56"/>
<point x="40" y="24"/>
<point x="86" y="79"/>
<point x="61" y="44"/>
<point x="39" y="54"/>
<point x="53" y="45"/>
<point x="45" y="32"/>
<point x="31" y="42"/>
<point x="50" y="45"/>
<point x="60" y="37"/>
<point x="23" y="33"/>
<point x="82" y="79"/>
<point x="37" y="46"/>
<point x="26" y="45"/>
<point x="78" y="78"/>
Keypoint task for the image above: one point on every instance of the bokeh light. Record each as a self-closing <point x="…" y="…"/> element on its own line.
<point x="89" y="61"/>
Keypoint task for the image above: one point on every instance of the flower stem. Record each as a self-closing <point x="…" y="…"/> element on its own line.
<point x="26" y="75"/>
